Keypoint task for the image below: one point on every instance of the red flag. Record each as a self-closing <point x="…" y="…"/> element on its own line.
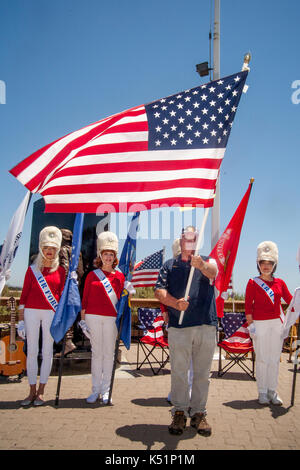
<point x="168" y="151"/>
<point x="226" y="248"/>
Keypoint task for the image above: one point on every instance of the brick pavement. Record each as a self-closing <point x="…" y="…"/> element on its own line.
<point x="140" y="414"/>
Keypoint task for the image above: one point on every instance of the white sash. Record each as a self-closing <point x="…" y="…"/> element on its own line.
<point x="269" y="293"/>
<point x="108" y="288"/>
<point x="44" y="287"/>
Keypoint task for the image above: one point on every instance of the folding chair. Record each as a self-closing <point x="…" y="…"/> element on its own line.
<point x="235" y="340"/>
<point x="293" y="337"/>
<point x="153" y="343"/>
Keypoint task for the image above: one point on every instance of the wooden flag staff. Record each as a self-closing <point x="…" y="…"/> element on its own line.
<point x="199" y="241"/>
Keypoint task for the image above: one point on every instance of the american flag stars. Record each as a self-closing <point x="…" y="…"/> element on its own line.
<point x="201" y="117"/>
<point x="232" y="322"/>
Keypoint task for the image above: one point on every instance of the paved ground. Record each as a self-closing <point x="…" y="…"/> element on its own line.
<point x="140" y="414"/>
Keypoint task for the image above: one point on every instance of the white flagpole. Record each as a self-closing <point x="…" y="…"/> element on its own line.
<point x="215" y="213"/>
<point x="199" y="241"/>
<point x="164" y="254"/>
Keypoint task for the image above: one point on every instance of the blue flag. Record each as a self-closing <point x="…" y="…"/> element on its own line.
<point x="126" y="265"/>
<point x="69" y="304"/>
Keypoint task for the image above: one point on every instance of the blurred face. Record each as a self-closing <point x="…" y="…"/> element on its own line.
<point x="49" y="252"/>
<point x="188" y="241"/>
<point x="107" y="257"/>
<point x="266" y="267"/>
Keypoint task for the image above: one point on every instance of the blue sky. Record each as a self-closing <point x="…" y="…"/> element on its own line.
<point x="68" y="63"/>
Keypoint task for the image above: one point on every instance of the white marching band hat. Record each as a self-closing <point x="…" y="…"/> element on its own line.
<point x="267" y="251"/>
<point x="107" y="241"/>
<point x="50" y="236"/>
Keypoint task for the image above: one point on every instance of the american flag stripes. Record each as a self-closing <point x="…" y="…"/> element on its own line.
<point x="236" y="332"/>
<point x="152" y="322"/>
<point x="146" y="271"/>
<point x="168" y="151"/>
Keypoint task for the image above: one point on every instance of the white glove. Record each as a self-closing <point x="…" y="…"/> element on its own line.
<point x="21" y="329"/>
<point x="225" y="295"/>
<point x="85" y="328"/>
<point x="251" y="329"/>
<point x="73" y="275"/>
<point x="129" y="287"/>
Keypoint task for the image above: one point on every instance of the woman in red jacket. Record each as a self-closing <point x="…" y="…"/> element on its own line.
<point x="102" y="290"/>
<point x="265" y="320"/>
<point x="43" y="285"/>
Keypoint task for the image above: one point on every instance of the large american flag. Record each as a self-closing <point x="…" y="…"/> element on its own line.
<point x="236" y="333"/>
<point x="146" y="271"/>
<point x="168" y="151"/>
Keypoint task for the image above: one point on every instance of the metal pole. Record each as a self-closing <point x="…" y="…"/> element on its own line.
<point x="215" y="214"/>
<point x="296" y="363"/>
<point x="61" y="364"/>
<point x="117" y="344"/>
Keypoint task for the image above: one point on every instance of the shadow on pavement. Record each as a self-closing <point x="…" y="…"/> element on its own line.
<point x="147" y="372"/>
<point x="155" y="401"/>
<point x="231" y="376"/>
<point x="63" y="403"/>
<point x="253" y="404"/>
<point x="149" y="434"/>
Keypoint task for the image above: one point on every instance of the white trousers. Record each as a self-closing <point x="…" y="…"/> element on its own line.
<point x="33" y="319"/>
<point x="103" y="331"/>
<point x="267" y="343"/>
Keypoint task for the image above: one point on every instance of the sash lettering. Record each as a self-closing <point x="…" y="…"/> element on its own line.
<point x="269" y="293"/>
<point x="108" y="288"/>
<point x="44" y="287"/>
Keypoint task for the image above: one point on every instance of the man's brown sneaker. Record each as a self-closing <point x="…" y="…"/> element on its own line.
<point x="198" y="421"/>
<point x="178" y="423"/>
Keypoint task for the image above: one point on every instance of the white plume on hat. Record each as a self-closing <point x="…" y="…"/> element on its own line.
<point x="50" y="236"/>
<point x="267" y="251"/>
<point x="107" y="241"/>
<point x="176" y="248"/>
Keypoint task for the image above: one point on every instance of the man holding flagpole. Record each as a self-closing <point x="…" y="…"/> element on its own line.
<point x="195" y="337"/>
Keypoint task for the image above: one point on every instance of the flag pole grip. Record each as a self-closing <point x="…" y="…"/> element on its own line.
<point x="199" y="242"/>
